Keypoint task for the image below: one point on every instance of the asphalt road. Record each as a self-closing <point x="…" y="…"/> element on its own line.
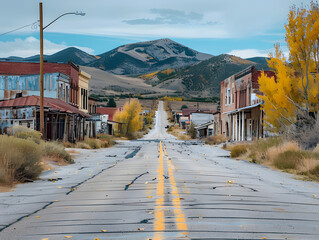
<point x="170" y="189"/>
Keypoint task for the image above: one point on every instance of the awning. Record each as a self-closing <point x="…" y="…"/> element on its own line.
<point x="243" y="108"/>
<point x="204" y="125"/>
<point x="53" y="104"/>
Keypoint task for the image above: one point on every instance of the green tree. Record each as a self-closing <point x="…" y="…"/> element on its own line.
<point x="183" y="106"/>
<point x="111" y="103"/>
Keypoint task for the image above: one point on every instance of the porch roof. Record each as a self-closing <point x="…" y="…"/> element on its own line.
<point x="204" y="125"/>
<point x="53" y="104"/>
<point x="243" y="108"/>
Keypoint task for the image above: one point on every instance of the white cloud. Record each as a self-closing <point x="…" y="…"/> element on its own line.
<point x="30" y="46"/>
<point x="248" y="53"/>
<point x="235" y="18"/>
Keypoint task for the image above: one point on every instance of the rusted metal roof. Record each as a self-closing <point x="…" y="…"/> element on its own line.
<point x="107" y="111"/>
<point x="188" y="111"/>
<point x="50" y="103"/>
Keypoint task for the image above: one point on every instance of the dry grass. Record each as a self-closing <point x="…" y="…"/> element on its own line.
<point x="102" y="141"/>
<point x="168" y="110"/>
<point x="274" y="151"/>
<point x="238" y="150"/>
<point x="23" y="155"/>
<point x="178" y="132"/>
<point x="213" y="140"/>
<point x="20" y="160"/>
<point x="25" y="133"/>
<point x="56" y="152"/>
<point x="81" y="145"/>
<point x="283" y="155"/>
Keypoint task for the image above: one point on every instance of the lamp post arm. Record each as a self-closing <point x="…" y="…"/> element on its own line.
<point x="58" y="18"/>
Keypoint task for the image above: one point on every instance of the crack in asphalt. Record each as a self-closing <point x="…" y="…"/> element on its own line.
<point x="128" y="185"/>
<point x="132" y="154"/>
<point x="239" y="185"/>
<point x="72" y="189"/>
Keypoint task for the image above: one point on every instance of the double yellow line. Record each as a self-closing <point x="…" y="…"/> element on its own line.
<point x="159" y="223"/>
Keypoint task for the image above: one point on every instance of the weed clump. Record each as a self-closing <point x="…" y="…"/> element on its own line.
<point x="238" y="150"/>
<point x="25" y="133"/>
<point x="213" y="140"/>
<point x="56" y="150"/>
<point x="20" y="160"/>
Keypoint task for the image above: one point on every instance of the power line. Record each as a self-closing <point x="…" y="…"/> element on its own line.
<point x="33" y="26"/>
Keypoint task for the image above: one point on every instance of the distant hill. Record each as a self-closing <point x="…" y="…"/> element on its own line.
<point x="107" y="84"/>
<point x="201" y="79"/>
<point x="72" y="54"/>
<point x="163" y="67"/>
<point x="261" y="63"/>
<point x="145" y="57"/>
<point x="130" y="59"/>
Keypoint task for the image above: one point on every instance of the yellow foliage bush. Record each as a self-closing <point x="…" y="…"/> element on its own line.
<point x="130" y="118"/>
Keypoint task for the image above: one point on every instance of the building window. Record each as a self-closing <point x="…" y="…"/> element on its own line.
<point x="228" y="96"/>
<point x="67" y="94"/>
<point x="2" y="82"/>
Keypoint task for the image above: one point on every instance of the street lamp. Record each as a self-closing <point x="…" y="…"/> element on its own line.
<point x="41" y="60"/>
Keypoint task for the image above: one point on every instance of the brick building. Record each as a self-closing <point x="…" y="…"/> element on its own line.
<point x="30" y="68"/>
<point x="241" y="114"/>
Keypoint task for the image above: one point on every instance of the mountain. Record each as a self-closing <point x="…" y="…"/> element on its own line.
<point x="261" y="62"/>
<point x="201" y="79"/>
<point x="145" y="57"/>
<point x="103" y="83"/>
<point x="72" y="54"/>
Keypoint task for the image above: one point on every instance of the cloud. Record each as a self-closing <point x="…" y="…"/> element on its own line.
<point x="248" y="53"/>
<point x="167" y="16"/>
<point x="156" y="19"/>
<point x="30" y="46"/>
<point x="145" y="21"/>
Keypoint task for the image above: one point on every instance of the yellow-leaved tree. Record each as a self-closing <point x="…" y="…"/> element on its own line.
<point x="291" y="99"/>
<point x="130" y="119"/>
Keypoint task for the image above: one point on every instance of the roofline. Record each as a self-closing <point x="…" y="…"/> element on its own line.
<point x="243" y="108"/>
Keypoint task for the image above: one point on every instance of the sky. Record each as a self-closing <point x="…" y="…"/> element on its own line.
<point x="245" y="28"/>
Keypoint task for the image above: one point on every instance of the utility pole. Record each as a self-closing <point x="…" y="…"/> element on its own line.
<point x="41" y="61"/>
<point x="41" y="72"/>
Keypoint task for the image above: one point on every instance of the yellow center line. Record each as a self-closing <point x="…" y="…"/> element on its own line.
<point x="159" y="223"/>
<point x="179" y="215"/>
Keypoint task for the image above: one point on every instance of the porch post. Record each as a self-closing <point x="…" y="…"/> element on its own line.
<point x="233" y="129"/>
<point x="243" y="126"/>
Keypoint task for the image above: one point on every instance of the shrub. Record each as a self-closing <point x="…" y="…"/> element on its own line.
<point x="20" y="159"/>
<point x="170" y="129"/>
<point x="288" y="159"/>
<point x="315" y="171"/>
<point x="258" y="149"/>
<point x="238" y="150"/>
<point x="212" y="140"/>
<point x="92" y="142"/>
<point x="183" y="137"/>
<point x="68" y="144"/>
<point x="25" y="133"/>
<point x="192" y="131"/>
<point x="82" y="145"/>
<point x="274" y="151"/>
<point x="56" y="150"/>
<point x="106" y="139"/>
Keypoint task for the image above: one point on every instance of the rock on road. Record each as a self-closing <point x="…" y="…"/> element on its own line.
<point x="171" y="189"/>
